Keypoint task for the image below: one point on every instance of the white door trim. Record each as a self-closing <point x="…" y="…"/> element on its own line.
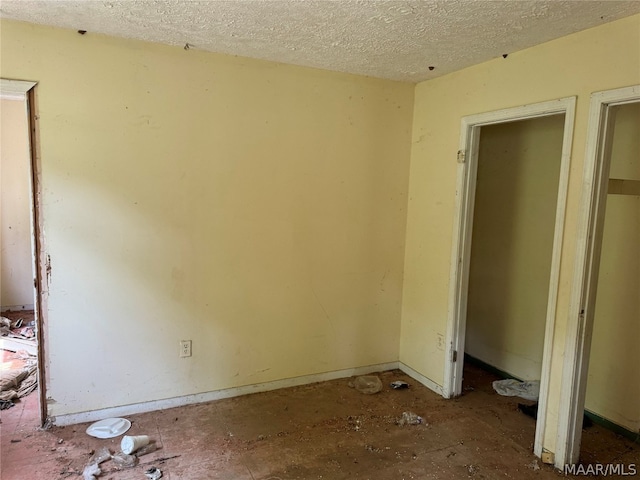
<point x="463" y="223"/>
<point x="585" y="278"/>
<point x="15" y="89"/>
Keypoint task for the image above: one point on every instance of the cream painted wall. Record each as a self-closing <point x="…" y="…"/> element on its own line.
<point x="514" y="220"/>
<point x="256" y="208"/>
<point x="16" y="282"/>
<point x="601" y="58"/>
<point x="613" y="386"/>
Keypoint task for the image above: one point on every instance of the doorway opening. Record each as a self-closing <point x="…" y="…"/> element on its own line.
<point x="21" y="298"/>
<point x="503" y="245"/>
<point x="601" y="186"/>
<point x="512" y="245"/>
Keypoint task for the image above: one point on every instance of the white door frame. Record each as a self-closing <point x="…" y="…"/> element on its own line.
<point x="585" y="279"/>
<point x="463" y="223"/>
<point x="22" y="90"/>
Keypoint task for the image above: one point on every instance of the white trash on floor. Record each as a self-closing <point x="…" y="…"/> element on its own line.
<point x="367" y="384"/>
<point x="514" y="388"/>
<point x="109" y="428"/>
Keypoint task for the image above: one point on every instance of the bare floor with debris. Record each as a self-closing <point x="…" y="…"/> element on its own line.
<point x="320" y="431"/>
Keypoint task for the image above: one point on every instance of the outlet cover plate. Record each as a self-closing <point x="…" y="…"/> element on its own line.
<point x="185" y="348"/>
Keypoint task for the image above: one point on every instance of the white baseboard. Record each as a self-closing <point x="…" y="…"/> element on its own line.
<point x="16" y="308"/>
<point x="427" y="382"/>
<point x="94" y="415"/>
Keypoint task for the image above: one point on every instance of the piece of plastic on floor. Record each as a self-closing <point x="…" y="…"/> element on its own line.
<point x="368" y="384"/>
<point x="153" y="473"/>
<point x="91" y="471"/>
<point x="514" y="388"/>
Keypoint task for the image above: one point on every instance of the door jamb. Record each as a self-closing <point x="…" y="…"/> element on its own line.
<point x="25" y="91"/>
<point x="585" y="278"/>
<point x="463" y="223"/>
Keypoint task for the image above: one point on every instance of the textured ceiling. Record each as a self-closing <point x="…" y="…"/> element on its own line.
<point x="391" y="39"/>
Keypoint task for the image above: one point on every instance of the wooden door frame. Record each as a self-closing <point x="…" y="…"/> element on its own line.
<point x="461" y="252"/>
<point x="585" y="278"/>
<point x="25" y="91"/>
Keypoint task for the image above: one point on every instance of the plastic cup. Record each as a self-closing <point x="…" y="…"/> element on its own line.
<point x="130" y="444"/>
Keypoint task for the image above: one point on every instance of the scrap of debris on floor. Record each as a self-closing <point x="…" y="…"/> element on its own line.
<point x="18" y="372"/>
<point x="131" y="449"/>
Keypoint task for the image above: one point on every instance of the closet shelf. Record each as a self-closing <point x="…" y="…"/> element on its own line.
<point x="623" y="187"/>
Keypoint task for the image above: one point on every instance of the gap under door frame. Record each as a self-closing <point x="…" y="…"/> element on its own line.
<point x="585" y="278"/>
<point x="25" y="91"/>
<point x="461" y="251"/>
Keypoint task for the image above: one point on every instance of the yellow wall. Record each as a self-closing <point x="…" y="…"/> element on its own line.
<point x="513" y="225"/>
<point x="601" y="58"/>
<point x="613" y="387"/>
<point x="255" y="208"/>
<point x="16" y="278"/>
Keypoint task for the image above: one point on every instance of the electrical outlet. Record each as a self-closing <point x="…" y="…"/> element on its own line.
<point x="440" y="342"/>
<point x="185" y="348"/>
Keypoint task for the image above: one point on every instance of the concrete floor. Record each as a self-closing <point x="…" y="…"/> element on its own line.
<point x="319" y="431"/>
